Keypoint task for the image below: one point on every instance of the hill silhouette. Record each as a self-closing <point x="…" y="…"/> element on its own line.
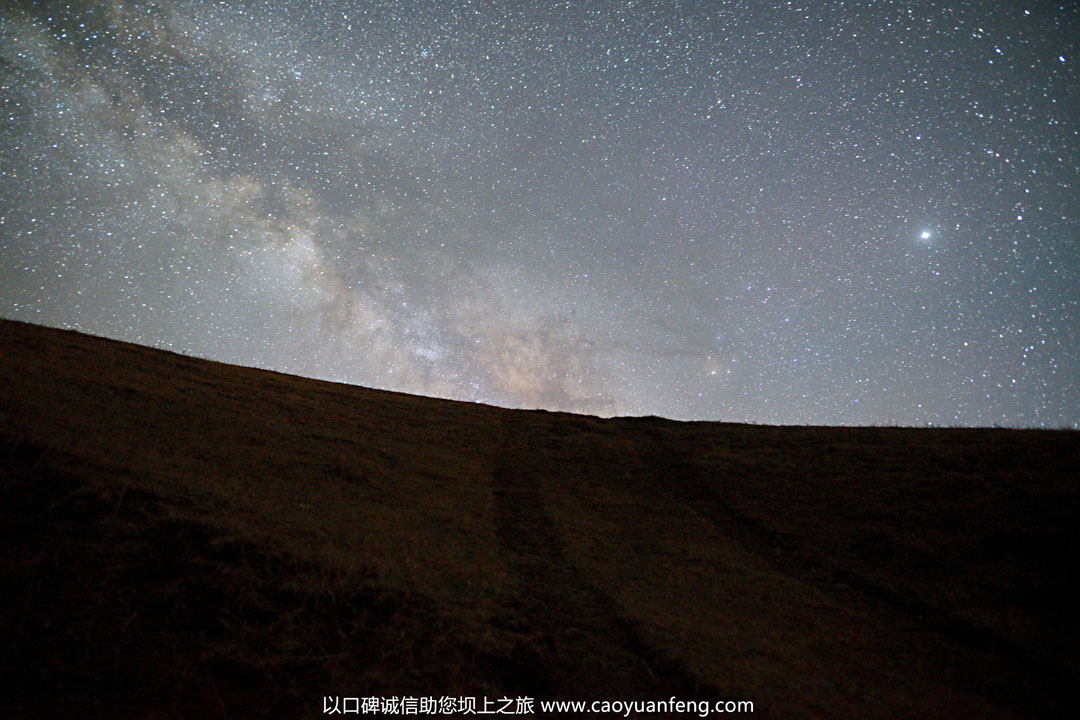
<point x="188" y="538"/>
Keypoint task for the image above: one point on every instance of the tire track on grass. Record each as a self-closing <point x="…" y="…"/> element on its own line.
<point x="579" y="646"/>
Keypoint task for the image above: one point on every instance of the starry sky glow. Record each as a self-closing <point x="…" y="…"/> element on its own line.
<point x="780" y="212"/>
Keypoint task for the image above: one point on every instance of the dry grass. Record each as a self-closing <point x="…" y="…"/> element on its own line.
<point x="190" y="538"/>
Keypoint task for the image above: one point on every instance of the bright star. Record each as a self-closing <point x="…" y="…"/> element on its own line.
<point x="925" y="235"/>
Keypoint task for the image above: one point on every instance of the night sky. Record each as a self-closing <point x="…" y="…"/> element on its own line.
<point x="790" y="212"/>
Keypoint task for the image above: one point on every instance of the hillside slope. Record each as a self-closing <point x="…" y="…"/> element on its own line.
<point x="186" y="537"/>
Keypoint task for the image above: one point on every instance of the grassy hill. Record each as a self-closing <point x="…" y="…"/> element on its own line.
<point x="187" y="538"/>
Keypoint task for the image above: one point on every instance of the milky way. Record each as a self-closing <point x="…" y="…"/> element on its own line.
<point x="815" y="212"/>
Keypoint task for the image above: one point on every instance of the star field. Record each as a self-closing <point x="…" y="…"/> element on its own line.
<point x="828" y="212"/>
